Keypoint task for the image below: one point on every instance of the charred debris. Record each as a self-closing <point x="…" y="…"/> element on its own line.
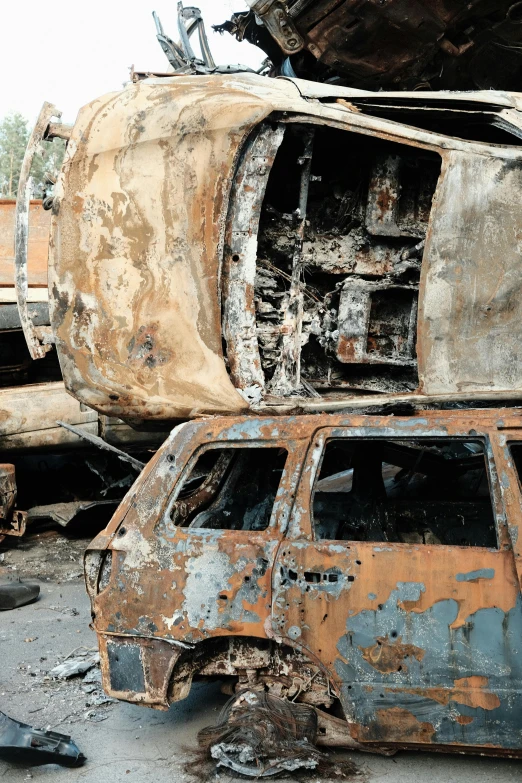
<point x="23" y="744"/>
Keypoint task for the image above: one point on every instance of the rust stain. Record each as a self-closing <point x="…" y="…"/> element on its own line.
<point x="388" y="656"/>
<point x="470" y="691"/>
<point x="396" y="724"/>
<point x="464" y="720"/>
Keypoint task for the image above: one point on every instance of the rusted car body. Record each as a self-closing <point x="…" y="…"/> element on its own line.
<point x="221" y="244"/>
<point x="367" y="565"/>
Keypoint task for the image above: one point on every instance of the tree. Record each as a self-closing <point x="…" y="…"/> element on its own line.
<point x="14" y="135"/>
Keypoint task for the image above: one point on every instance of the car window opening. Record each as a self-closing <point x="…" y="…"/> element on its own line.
<point x="460" y="119"/>
<point x="230" y="489"/>
<point x="416" y="492"/>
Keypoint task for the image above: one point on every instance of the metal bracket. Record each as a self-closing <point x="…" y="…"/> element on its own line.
<point x="276" y="18"/>
<point x="16" y="524"/>
<point x="101" y="444"/>
<point x="172" y="50"/>
<point x="181" y="55"/>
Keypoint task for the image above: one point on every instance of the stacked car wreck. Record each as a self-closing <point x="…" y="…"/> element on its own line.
<point x="336" y="251"/>
<point x="320" y="286"/>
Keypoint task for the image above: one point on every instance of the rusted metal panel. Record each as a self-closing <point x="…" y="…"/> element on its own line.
<point x="274" y="15"/>
<point x="29" y="421"/>
<point x="239" y="321"/>
<point x="355" y="343"/>
<point x="418" y="642"/>
<point x="362" y="638"/>
<point x="38" y="338"/>
<point x="12" y="521"/>
<point x="38" y="246"/>
<point x="498" y="98"/>
<point x="467" y="342"/>
<point x="136" y="244"/>
<point x="383" y="197"/>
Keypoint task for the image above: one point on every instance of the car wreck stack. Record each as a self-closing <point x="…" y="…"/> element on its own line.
<point x="318" y="285"/>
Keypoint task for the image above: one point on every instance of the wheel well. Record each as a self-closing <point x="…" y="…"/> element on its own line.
<point x="254" y="663"/>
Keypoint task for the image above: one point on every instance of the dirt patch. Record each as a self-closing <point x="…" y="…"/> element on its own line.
<point x="48" y="556"/>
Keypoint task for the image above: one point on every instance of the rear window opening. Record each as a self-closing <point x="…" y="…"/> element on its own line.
<point x="415" y="492"/>
<point x="515" y="450"/>
<point x="340" y="240"/>
<point x="472" y="122"/>
<point x="230" y="489"/>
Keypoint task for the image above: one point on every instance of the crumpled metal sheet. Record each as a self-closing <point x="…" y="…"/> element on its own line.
<point x="402" y="44"/>
<point x="470" y="301"/>
<point x="64" y="513"/>
<point x="38" y="246"/>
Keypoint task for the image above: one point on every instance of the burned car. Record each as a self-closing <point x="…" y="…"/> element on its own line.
<point x="233" y="243"/>
<point x="366" y="565"/>
<point x="403" y="44"/>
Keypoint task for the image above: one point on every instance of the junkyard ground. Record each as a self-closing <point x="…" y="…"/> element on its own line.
<point x="125" y="742"/>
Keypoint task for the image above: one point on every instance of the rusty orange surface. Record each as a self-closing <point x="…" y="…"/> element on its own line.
<point x="38" y="246"/>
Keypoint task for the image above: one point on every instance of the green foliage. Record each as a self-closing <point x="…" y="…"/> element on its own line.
<point x="14" y="135"/>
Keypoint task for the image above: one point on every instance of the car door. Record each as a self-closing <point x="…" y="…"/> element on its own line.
<point x="222" y="528"/>
<point x="193" y="558"/>
<point x="398" y="577"/>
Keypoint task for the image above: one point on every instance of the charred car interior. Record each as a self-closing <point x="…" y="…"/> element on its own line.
<point x="424" y="492"/>
<point x="341" y="232"/>
<point x="230" y="490"/>
<point x="417" y="492"/>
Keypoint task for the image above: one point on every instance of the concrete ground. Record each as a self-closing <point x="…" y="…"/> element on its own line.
<point x="125" y="743"/>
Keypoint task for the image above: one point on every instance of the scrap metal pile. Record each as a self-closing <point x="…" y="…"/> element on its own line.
<point x="230" y="251"/>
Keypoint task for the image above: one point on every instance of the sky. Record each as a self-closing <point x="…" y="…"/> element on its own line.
<point x="69" y="52"/>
